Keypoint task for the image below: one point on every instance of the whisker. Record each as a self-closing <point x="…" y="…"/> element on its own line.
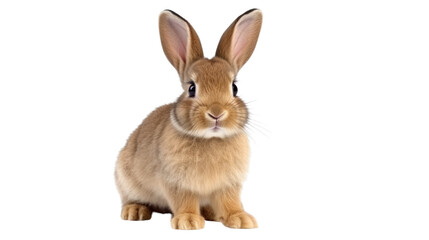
<point x="253" y="129"/>
<point x="249" y="102"/>
<point x="250" y="136"/>
<point x="258" y="124"/>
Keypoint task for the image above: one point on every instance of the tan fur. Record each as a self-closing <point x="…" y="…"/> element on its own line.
<point x="135" y="211"/>
<point x="177" y="160"/>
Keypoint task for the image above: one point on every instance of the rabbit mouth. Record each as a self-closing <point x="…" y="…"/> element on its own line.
<point x="216" y="126"/>
<point x="213" y="129"/>
<point x="219" y="132"/>
<point x="216" y="129"/>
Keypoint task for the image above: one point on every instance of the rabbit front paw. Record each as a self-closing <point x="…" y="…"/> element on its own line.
<point x="187" y="221"/>
<point x="136" y="212"/>
<point x="240" y="220"/>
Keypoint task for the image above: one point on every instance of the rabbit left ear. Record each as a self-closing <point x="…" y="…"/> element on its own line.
<point x="179" y="40"/>
<point x="239" y="40"/>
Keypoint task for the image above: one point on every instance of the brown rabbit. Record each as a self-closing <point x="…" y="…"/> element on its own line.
<point x="191" y="157"/>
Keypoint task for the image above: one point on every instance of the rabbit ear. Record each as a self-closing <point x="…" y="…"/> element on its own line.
<point x="179" y="40"/>
<point x="239" y="40"/>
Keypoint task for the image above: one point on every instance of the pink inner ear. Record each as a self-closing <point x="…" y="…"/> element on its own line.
<point x="241" y="37"/>
<point x="179" y="37"/>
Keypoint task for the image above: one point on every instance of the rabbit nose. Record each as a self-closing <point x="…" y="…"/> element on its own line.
<point x="216" y="112"/>
<point x="215" y="117"/>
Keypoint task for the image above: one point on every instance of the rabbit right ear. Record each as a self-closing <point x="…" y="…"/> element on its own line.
<point x="239" y="40"/>
<point x="179" y="41"/>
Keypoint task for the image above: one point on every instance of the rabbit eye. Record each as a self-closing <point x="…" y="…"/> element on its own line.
<point x="234" y="89"/>
<point x="191" y="90"/>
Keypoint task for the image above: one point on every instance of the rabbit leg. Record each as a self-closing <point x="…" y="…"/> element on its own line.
<point x="229" y="210"/>
<point x="135" y="211"/>
<point x="186" y="210"/>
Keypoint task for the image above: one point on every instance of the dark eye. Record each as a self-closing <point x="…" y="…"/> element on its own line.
<point x="234" y="89"/>
<point x="192" y="89"/>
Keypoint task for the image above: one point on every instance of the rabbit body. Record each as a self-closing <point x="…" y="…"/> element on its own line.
<point x="157" y="156"/>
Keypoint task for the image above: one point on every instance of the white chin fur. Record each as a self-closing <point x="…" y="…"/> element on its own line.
<point x="210" y="133"/>
<point x="203" y="133"/>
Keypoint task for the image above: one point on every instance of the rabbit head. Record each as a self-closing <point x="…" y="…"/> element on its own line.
<point x="209" y="106"/>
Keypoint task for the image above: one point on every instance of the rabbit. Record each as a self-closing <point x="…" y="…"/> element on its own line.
<point x="190" y="158"/>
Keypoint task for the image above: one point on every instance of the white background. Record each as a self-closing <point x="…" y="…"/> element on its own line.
<point x="339" y="131"/>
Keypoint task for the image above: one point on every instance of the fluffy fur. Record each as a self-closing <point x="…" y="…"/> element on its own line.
<point x="191" y="157"/>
